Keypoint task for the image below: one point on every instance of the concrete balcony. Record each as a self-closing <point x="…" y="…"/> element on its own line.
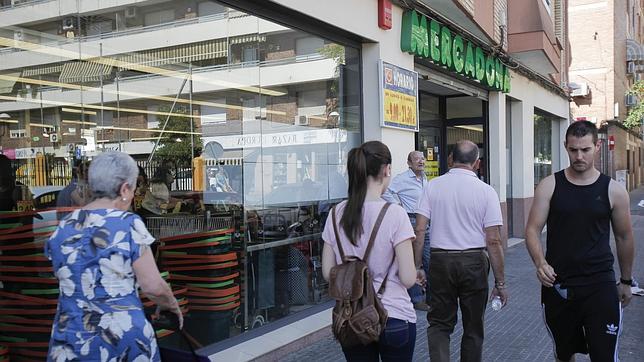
<point x="275" y="75"/>
<point x="475" y="16"/>
<point x="26" y="12"/>
<point x="26" y="54"/>
<point x="531" y="36"/>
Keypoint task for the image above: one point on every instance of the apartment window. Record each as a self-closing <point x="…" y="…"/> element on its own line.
<point x="100" y="27"/>
<point x="213" y="114"/>
<point x="249" y="53"/>
<point x="159" y="17"/>
<point x="206" y="8"/>
<point x="17" y="133"/>
<point x="547" y="4"/>
<point x="311" y="102"/>
<point x="308" y="45"/>
<point x="542" y="146"/>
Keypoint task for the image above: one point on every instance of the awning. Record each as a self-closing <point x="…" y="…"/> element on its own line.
<point x="254" y="38"/>
<point x="179" y="54"/>
<point x="84" y="71"/>
<point x="34" y="72"/>
<point x="6" y="84"/>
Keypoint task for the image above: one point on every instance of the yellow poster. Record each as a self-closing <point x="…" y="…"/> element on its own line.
<point x="431" y="169"/>
<point x="399" y="95"/>
<point x="400" y="108"/>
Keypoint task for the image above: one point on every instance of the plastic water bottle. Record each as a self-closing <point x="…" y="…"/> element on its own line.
<point x="497" y="304"/>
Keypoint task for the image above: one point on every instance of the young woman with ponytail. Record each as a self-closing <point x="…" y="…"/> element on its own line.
<point x="369" y="169"/>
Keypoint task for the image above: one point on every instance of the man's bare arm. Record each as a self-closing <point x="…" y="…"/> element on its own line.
<point x="536" y="221"/>
<point x="623" y="231"/>
<point x="419" y="243"/>
<point x="495" y="252"/>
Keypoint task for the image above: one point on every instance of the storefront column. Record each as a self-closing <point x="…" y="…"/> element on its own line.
<point x="523" y="164"/>
<point x="496" y="154"/>
<point x="558" y="149"/>
<point x="400" y="142"/>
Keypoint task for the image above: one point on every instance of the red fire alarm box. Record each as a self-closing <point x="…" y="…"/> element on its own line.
<point x="384" y="14"/>
<point x="611" y="143"/>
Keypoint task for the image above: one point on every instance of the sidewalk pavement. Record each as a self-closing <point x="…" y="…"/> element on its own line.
<point x="517" y="332"/>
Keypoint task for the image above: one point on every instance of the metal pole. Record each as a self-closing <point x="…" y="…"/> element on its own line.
<point x="165" y="124"/>
<point x="118" y="105"/>
<point x="192" y="136"/>
<point x="102" y="108"/>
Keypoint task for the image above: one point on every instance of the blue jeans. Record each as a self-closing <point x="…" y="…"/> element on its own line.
<point x="396" y="343"/>
<point x="416" y="292"/>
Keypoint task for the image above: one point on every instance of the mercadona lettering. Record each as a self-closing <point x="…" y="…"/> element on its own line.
<point x="438" y="44"/>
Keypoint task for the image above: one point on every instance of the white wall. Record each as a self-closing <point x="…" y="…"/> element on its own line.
<point x="529" y="95"/>
<point x="497" y="142"/>
<point x="524" y="89"/>
<point x="361" y="17"/>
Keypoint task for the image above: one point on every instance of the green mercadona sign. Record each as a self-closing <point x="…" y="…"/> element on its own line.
<point x="428" y="39"/>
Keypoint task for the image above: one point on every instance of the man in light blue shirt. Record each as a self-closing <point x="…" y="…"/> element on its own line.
<point x="405" y="189"/>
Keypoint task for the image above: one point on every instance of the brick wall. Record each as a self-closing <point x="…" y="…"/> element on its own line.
<point x="7" y="142"/>
<point x="500" y="18"/>
<point x="592" y="56"/>
<point x="627" y="144"/>
<point x="619" y="56"/>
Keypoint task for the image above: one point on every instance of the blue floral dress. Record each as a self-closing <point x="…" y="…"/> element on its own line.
<point x="100" y="316"/>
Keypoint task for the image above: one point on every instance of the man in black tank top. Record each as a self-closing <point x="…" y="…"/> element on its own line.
<point x="581" y="304"/>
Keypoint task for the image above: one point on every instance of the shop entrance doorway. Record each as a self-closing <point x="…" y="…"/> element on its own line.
<point x="445" y="117"/>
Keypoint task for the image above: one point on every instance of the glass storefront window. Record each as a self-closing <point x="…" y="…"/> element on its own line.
<point x="244" y="122"/>
<point x="542" y="146"/>
<point x="466" y="121"/>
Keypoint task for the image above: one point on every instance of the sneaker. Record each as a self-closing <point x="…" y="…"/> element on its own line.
<point x="421" y="306"/>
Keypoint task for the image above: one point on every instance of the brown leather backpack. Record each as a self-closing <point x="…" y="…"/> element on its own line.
<point x="358" y="316"/>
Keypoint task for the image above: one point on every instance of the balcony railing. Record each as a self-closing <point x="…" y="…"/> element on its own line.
<point x="22" y="3"/>
<point x="138" y="30"/>
<point x="266" y="63"/>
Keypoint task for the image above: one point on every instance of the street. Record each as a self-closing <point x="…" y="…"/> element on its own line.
<point x="517" y="332"/>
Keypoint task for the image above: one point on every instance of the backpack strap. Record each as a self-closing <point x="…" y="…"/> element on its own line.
<point x="337" y="237"/>
<point x="384" y="280"/>
<point x="374" y="232"/>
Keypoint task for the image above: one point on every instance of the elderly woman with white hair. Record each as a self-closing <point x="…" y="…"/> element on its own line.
<point x="99" y="255"/>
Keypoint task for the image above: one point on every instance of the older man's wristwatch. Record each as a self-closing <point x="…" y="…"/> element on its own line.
<point x="628" y="282"/>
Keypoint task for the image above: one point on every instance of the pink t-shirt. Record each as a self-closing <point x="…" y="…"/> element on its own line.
<point x="394" y="229"/>
<point x="459" y="206"/>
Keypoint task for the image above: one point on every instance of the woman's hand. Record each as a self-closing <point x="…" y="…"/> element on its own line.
<point x="176" y="310"/>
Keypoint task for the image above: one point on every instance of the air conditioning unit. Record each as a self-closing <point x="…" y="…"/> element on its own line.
<point x="69" y="23"/>
<point x="301" y="120"/>
<point x="131" y="12"/>
<point x="19" y="35"/>
<point x="630" y="67"/>
<point x="579" y="89"/>
<point x="631" y="99"/>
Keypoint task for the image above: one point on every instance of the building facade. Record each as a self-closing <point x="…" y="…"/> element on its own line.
<point x="254" y="105"/>
<point x="606" y="38"/>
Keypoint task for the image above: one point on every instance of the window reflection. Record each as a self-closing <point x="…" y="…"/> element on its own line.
<point x="160" y="81"/>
